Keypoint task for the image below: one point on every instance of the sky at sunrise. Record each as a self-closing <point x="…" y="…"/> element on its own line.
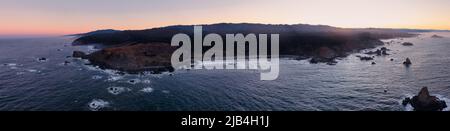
<point x="57" y="17"/>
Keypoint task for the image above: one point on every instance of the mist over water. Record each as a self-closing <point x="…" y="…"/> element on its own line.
<point x="29" y="84"/>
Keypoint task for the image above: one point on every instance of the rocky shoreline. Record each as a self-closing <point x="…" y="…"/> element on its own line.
<point x="149" y="50"/>
<point x="133" y="59"/>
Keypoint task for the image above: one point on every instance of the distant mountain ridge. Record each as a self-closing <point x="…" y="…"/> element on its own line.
<point x="164" y="34"/>
<point x="105" y="31"/>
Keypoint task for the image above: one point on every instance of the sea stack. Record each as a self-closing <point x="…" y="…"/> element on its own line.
<point x="407" y="62"/>
<point x="425" y="102"/>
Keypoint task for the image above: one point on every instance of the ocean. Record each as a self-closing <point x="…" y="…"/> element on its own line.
<point x="62" y="83"/>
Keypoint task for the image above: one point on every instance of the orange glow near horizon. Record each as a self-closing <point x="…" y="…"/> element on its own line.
<point x="56" y="17"/>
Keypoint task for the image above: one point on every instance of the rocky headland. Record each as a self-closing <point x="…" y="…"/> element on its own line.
<point x="136" y="58"/>
<point x="149" y="50"/>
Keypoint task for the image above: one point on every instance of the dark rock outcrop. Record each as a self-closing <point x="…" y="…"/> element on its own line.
<point x="153" y="57"/>
<point x="407" y="62"/>
<point x="425" y="102"/>
<point x="406" y="101"/>
<point x="42" y="59"/>
<point x="384" y="53"/>
<point x="378" y="52"/>
<point x="66" y="62"/>
<point x="314" y="61"/>
<point x="437" y="36"/>
<point x="365" y="58"/>
<point x="325" y="55"/>
<point x="79" y="54"/>
<point x="407" y="44"/>
<point x="329" y="61"/>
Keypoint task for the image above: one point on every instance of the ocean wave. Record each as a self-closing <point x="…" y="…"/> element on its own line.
<point x="113" y="75"/>
<point x="10" y="64"/>
<point x="33" y="70"/>
<point x="98" y="104"/>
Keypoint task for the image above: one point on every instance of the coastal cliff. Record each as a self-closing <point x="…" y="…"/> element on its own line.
<point x="134" y="58"/>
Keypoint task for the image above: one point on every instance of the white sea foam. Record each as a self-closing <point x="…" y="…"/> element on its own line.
<point x="240" y="63"/>
<point x="10" y="64"/>
<point x="91" y="48"/>
<point x="93" y="68"/>
<point x="86" y="61"/>
<point x="146" y="81"/>
<point x="33" y="71"/>
<point x="80" y="59"/>
<point x="114" y="77"/>
<point x="117" y="90"/>
<point x="447" y="101"/>
<point x="147" y="90"/>
<point x="146" y="73"/>
<point x="98" y="104"/>
<point x="134" y="81"/>
<point x="408" y="107"/>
